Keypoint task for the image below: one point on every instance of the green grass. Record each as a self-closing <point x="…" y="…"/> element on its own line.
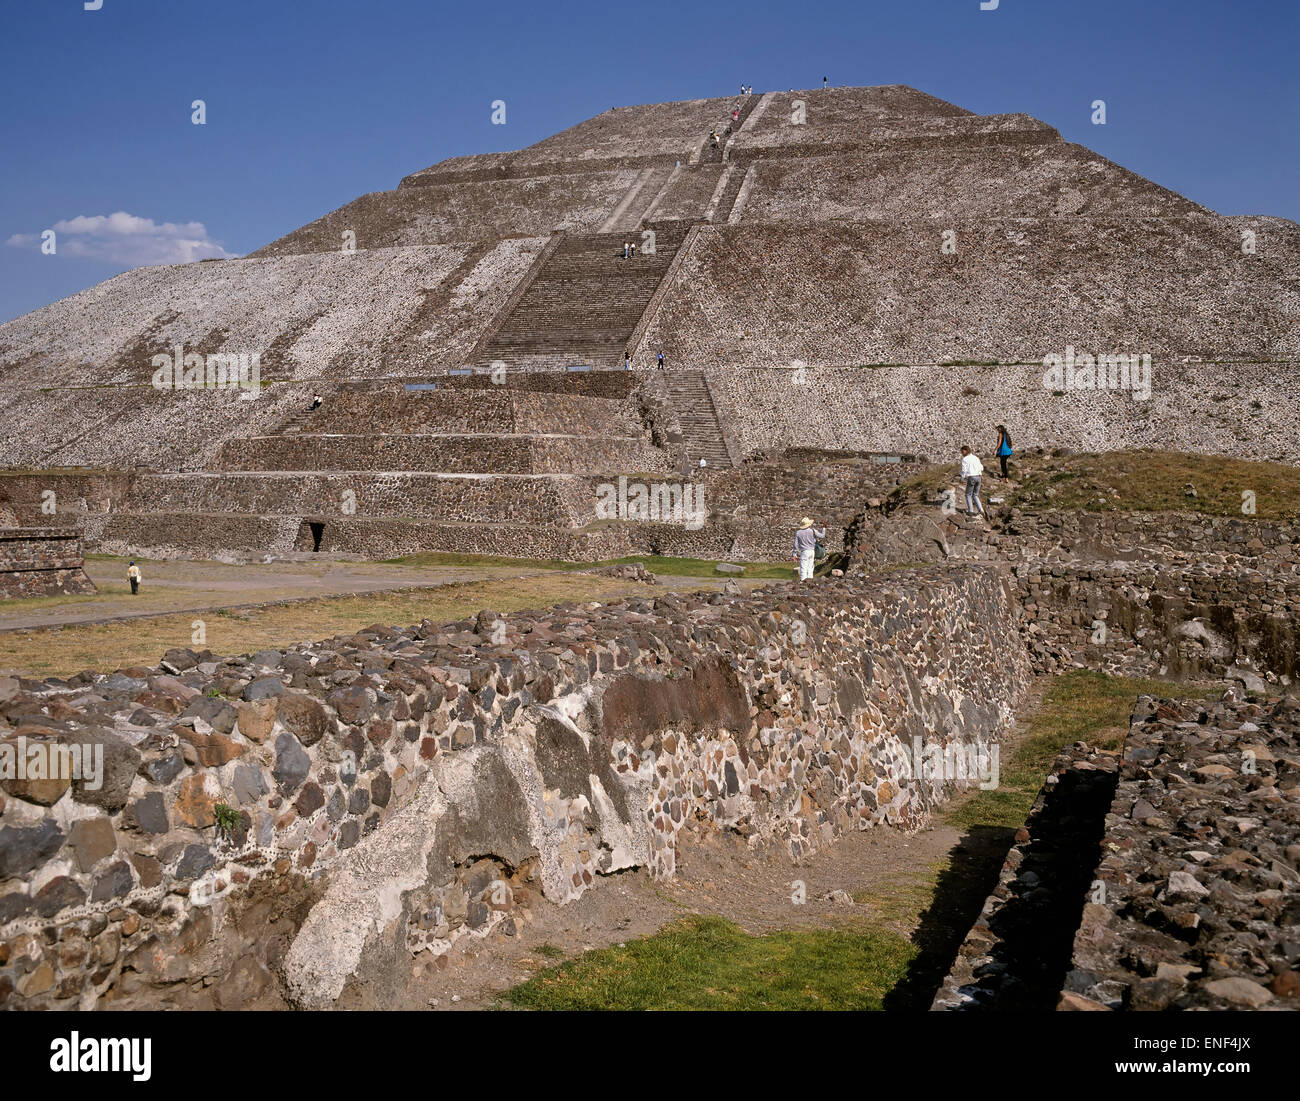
<point x="710" y="963"/>
<point x="1080" y="706"/>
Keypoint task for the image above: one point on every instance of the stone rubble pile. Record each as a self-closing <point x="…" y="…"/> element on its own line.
<point x="1200" y="859"/>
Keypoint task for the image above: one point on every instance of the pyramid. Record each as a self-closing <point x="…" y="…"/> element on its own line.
<point x="856" y="269"/>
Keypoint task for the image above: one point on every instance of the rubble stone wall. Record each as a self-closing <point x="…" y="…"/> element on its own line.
<point x="278" y="822"/>
<point x="1195" y="621"/>
<point x="1145" y="535"/>
<point x="41" y="562"/>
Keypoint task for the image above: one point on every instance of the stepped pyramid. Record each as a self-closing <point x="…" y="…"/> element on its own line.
<point x="866" y="269"/>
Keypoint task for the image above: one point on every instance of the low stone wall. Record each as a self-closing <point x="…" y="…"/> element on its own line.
<point x="41" y="562"/>
<point x="290" y="820"/>
<point x="1139" y="536"/>
<point x="1197" y="896"/>
<point x="1192" y="621"/>
<point x="1015" y="956"/>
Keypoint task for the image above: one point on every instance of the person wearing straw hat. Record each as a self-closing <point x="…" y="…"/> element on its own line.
<point x="805" y="547"/>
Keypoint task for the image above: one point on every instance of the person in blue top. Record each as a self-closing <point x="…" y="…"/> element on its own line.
<point x="1004" y="447"/>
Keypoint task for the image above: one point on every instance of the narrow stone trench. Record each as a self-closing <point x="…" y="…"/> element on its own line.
<point x="1022" y="949"/>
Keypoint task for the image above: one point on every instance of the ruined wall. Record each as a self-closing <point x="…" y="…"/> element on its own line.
<point x="41" y="562"/>
<point x="1143" y="536"/>
<point x="1161" y="879"/>
<point x="270" y="824"/>
<point x="1192" y="620"/>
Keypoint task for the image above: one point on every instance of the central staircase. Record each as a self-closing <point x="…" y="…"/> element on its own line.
<point x="584" y="303"/>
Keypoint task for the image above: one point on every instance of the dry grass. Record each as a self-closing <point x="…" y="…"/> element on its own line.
<point x="1127" y="481"/>
<point x="56" y="651"/>
<point x="1156" y="481"/>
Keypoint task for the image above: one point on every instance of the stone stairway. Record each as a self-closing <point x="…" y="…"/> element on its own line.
<point x="711" y="154"/>
<point x="701" y="433"/>
<point x="727" y="201"/>
<point x="585" y="302"/>
<point x="296" y="423"/>
<point x="634" y="208"/>
<point x="688" y="195"/>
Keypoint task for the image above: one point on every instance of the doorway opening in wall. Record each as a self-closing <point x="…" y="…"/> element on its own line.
<point x="317" y="533"/>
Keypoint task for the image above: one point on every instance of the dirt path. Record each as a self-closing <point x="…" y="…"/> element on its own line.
<point x="179" y="586"/>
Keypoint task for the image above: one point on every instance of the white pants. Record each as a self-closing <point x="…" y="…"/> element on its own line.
<point x="806" y="563"/>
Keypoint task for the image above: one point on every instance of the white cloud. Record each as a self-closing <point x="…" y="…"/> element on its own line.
<point x="123" y="238"/>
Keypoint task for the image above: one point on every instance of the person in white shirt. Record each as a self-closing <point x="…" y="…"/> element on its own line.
<point x="971" y="471"/>
<point x="805" y="547"/>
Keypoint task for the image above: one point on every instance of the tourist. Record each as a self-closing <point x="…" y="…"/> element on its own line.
<point x="660" y="359"/>
<point x="627" y="362"/>
<point x="805" y="547"/>
<point x="316" y="402"/>
<point x="133" y="575"/>
<point x="971" y="471"/>
<point x="632" y="247"/>
<point x="1004" y="448"/>
<point x="624" y="250"/>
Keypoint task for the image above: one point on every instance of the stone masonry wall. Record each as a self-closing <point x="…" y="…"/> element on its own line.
<point x="931" y="410"/>
<point x="1195" y="621"/>
<point x="287" y="820"/>
<point x="1145" y="535"/>
<point x="41" y="562"/>
<point x="450" y="454"/>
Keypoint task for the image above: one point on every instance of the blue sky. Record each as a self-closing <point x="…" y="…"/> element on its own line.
<point x="311" y="103"/>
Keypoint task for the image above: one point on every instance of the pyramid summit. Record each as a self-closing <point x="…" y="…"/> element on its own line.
<point x="862" y="269"/>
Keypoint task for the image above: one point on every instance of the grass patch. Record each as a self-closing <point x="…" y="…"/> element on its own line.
<point x="1123" y="481"/>
<point x="1080" y="706"/>
<point x="1156" y="481"/>
<point x="710" y="963"/>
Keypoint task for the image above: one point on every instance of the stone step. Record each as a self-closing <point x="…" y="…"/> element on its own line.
<point x="436" y="453"/>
